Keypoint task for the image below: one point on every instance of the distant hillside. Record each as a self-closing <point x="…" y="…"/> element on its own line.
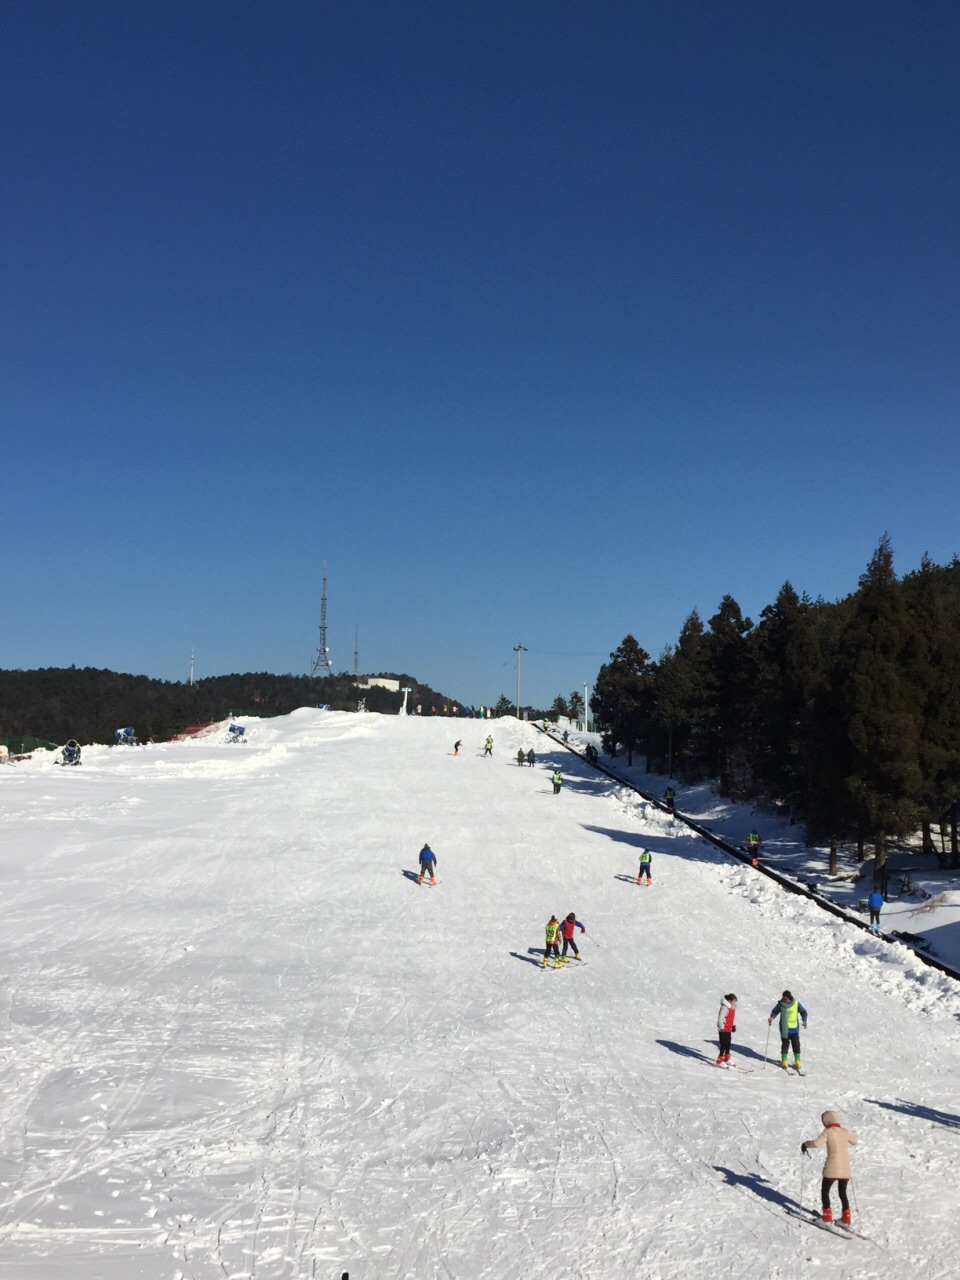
<point x="89" y="704"/>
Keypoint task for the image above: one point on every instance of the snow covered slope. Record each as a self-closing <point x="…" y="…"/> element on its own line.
<point x="239" y="1040"/>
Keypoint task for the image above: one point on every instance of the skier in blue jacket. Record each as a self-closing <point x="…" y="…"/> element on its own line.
<point x="875" y="904"/>
<point x="791" y="1013"/>
<point x="428" y="864"/>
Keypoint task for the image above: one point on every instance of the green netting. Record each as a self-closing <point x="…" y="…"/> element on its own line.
<point x="20" y="746"/>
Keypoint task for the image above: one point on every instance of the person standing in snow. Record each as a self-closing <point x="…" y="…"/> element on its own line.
<point x="553" y="943"/>
<point x="457" y="745"/>
<point x="753" y="846"/>
<point x="488" y="746"/>
<point x="875" y="904"/>
<point x="670" y="797"/>
<point x="836" y="1168"/>
<point x="791" y="1013"/>
<point x="566" y="932"/>
<point x="428" y="864"/>
<point x="726" y="1025"/>
<point x="520" y="757"/>
<point x="646" y="863"/>
<point x="557" y="781"/>
<point x="531" y="758"/>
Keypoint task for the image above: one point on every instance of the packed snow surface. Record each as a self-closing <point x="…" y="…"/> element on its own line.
<point x="240" y="1040"/>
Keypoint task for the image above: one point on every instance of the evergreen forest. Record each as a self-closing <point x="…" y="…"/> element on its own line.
<point x="54" y="704"/>
<point x="845" y="716"/>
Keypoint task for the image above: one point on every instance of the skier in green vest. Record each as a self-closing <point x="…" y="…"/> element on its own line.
<point x="553" y="943"/>
<point x="791" y="1014"/>
<point x="646" y="861"/>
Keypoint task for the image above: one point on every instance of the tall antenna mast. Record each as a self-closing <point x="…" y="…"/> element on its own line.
<point x="322" y="661"/>
<point x="356" y="653"/>
<point x="191" y="666"/>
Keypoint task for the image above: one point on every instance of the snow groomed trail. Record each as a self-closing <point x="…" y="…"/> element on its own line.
<point x="239" y="1040"/>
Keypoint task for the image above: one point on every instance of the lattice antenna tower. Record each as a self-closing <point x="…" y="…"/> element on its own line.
<point x="321" y="662"/>
<point x="356" y="653"/>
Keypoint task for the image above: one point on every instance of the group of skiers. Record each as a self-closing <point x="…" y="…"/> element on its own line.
<point x="561" y="931"/>
<point x="789" y="1012"/>
<point x="791" y="1015"/>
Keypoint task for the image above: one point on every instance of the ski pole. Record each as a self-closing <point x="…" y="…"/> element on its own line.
<point x="856" y="1207"/>
<point x="766" y="1045"/>
<point x="803" y="1162"/>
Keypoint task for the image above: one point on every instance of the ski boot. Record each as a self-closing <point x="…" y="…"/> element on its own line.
<point x="783" y="1063"/>
<point x="845" y="1218"/>
<point x="827" y="1214"/>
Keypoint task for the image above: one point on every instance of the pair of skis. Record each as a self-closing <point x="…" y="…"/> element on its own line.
<point x="835" y="1228"/>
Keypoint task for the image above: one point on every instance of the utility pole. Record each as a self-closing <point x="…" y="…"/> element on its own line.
<point x="518" y="649"/>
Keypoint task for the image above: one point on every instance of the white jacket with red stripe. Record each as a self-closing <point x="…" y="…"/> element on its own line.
<point x="727" y="1016"/>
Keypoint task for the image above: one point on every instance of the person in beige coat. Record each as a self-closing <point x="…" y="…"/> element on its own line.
<point x="836" y="1168"/>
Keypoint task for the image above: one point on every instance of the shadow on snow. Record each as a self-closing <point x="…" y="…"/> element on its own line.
<point x="686" y="1051"/>
<point x="742" y="1051"/>
<point x="759" y="1186"/>
<point x="920" y="1111"/>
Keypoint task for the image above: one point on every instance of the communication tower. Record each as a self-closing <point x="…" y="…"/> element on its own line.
<point x="322" y="663"/>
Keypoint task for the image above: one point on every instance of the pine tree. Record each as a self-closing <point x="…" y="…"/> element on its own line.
<point x="933" y="670"/>
<point x="730" y="666"/>
<point x="787" y="665"/>
<point x="682" y="700"/>
<point x="623" y="697"/>
<point x="881" y="722"/>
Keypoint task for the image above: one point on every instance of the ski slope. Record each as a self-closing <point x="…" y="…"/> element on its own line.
<point x="239" y="1040"/>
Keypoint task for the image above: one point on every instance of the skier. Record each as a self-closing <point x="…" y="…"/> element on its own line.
<point x="791" y="1013"/>
<point x="646" y="860"/>
<point x="531" y="758"/>
<point x="670" y="797"/>
<point x="836" y="1168"/>
<point x="726" y="1026"/>
<point x="875" y="903"/>
<point x="457" y="745"/>
<point x="753" y="846"/>
<point x="557" y="781"/>
<point x="428" y="864"/>
<point x="488" y="746"/>
<point x="553" y="943"/>
<point x="566" y="930"/>
<point x="520" y="757"/>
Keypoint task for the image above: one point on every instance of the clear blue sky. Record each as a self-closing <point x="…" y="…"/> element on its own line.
<point x="539" y="322"/>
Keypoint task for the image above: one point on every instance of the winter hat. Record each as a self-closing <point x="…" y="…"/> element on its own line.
<point x="829" y="1118"/>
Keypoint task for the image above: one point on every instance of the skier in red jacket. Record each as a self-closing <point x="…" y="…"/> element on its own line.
<point x="566" y="932"/>
<point x="726" y="1020"/>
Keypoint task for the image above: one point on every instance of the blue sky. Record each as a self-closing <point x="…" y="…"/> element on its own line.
<point x="540" y="323"/>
